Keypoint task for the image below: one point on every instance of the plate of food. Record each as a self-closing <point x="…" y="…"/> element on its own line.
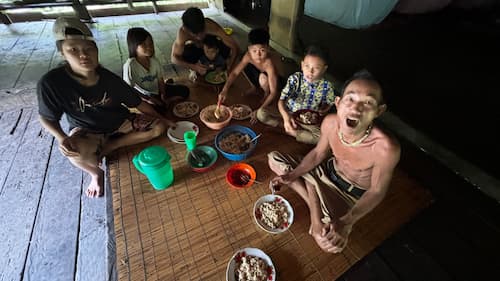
<point x="307" y="117"/>
<point x="273" y="213"/>
<point x="177" y="134"/>
<point x="250" y="264"/>
<point x="186" y="109"/>
<point x="241" y="111"/>
<point x="216" y="77"/>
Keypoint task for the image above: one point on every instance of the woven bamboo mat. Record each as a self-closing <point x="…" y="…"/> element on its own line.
<point x="190" y="230"/>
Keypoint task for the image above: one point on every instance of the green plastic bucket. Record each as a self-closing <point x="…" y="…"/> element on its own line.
<point x="154" y="163"/>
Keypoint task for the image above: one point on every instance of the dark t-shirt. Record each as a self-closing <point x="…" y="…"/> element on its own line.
<point x="99" y="108"/>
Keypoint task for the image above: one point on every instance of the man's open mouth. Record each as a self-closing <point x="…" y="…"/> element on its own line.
<point x="352" y="123"/>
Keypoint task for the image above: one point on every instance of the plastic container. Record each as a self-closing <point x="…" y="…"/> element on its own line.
<point x="205" y="112"/>
<point x="154" y="163"/>
<point x="240" y="175"/>
<point x="233" y="129"/>
<point x="190" y="140"/>
<point x="211" y="158"/>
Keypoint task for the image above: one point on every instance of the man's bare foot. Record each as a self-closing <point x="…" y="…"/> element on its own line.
<point x="96" y="186"/>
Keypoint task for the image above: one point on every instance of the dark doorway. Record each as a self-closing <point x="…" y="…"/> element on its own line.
<point x="254" y="13"/>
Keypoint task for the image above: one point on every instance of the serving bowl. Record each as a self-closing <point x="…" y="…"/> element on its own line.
<point x="236" y="259"/>
<point x="236" y="129"/>
<point x="207" y="156"/>
<point x="270" y="198"/>
<point x="207" y="116"/>
<point x="240" y="175"/>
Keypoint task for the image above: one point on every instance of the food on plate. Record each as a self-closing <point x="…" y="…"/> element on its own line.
<point x="273" y="214"/>
<point x="235" y="143"/>
<point x="308" y="117"/>
<point x="240" y="111"/>
<point x="186" y="109"/>
<point x="251" y="268"/>
<point x="216" y="77"/>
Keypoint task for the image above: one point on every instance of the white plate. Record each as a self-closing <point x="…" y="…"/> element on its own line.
<point x="271" y="198"/>
<point x="186" y="103"/>
<point x="245" y="107"/>
<point x="232" y="264"/>
<point x="177" y="135"/>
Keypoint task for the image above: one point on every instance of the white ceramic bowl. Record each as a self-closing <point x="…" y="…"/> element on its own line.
<point x="232" y="264"/>
<point x="271" y="198"/>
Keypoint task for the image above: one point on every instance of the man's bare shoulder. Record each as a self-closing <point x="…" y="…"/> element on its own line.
<point x="386" y="145"/>
<point x="329" y="122"/>
<point x="212" y="27"/>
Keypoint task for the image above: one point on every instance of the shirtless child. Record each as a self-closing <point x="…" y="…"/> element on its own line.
<point x="93" y="100"/>
<point x="261" y="71"/>
<point x="340" y="190"/>
<point x="188" y="45"/>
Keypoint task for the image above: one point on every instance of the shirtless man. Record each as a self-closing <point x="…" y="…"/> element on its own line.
<point x="188" y="48"/>
<point x="260" y="69"/>
<point x="93" y="100"/>
<point x="344" y="188"/>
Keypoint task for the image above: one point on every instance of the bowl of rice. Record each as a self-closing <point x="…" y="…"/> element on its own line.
<point x="234" y="142"/>
<point x="250" y="264"/>
<point x="207" y="116"/>
<point x="273" y="213"/>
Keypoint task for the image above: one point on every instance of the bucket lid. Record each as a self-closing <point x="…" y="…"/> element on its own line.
<point x="153" y="156"/>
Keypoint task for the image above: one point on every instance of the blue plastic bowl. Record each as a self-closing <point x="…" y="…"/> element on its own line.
<point x="233" y="129"/>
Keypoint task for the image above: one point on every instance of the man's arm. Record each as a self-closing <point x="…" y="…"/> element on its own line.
<point x="178" y="50"/>
<point x="316" y="155"/>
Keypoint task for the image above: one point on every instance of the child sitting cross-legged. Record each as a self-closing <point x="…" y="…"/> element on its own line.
<point x="307" y="90"/>
<point x="145" y="73"/>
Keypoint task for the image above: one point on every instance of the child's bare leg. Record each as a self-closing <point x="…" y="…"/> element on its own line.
<point x="131" y="138"/>
<point x="96" y="186"/>
<point x="88" y="161"/>
<point x="264" y="85"/>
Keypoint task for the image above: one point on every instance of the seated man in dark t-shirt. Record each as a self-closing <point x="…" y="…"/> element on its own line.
<point x="95" y="102"/>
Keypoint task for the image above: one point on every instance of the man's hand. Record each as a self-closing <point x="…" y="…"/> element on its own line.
<point x="200" y="68"/>
<point x="68" y="147"/>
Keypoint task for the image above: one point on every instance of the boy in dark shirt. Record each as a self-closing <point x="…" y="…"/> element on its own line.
<point x="94" y="100"/>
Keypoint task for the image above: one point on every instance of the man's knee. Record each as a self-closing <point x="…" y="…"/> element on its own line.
<point x="277" y="163"/>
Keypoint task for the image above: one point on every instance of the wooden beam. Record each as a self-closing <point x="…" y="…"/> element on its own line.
<point x="5" y="18"/>
<point x="81" y="11"/>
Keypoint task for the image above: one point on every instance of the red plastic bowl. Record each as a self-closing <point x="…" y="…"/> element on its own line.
<point x="235" y="173"/>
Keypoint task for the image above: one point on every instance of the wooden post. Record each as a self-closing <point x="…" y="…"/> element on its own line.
<point x="81" y="11"/>
<point x="130" y="4"/>
<point x="5" y="18"/>
<point x="155" y="7"/>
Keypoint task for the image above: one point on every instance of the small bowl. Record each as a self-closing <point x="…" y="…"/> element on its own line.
<point x="212" y="155"/>
<point x="235" y="173"/>
<point x="233" y="129"/>
<point x="272" y="198"/>
<point x="208" y="118"/>
<point x="228" y="30"/>
<point x="233" y="263"/>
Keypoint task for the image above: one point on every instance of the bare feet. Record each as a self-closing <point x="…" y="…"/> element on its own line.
<point x="96" y="186"/>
